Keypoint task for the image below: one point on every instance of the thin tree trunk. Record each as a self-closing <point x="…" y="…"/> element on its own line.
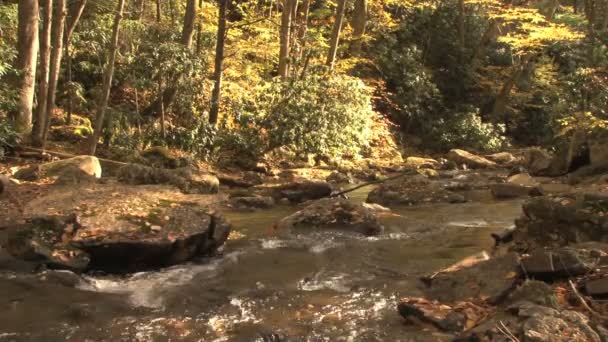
<point x="107" y="80"/>
<point x="199" y="31"/>
<point x="141" y="6"/>
<point x="461" y="28"/>
<point x="189" y="20"/>
<point x="57" y="29"/>
<point x="158" y="11"/>
<point x="43" y="85"/>
<point x="284" y="38"/>
<point x="335" y="34"/>
<point x="27" y="48"/>
<point x="74" y="16"/>
<point x="172" y="10"/>
<point x="163" y="131"/>
<point x="216" y="95"/>
<point x="487" y="37"/>
<point x="359" y="22"/>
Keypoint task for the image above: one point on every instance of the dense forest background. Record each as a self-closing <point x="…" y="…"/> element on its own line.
<point x="231" y="81"/>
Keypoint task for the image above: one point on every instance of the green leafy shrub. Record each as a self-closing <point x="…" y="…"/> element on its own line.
<point x="467" y="129"/>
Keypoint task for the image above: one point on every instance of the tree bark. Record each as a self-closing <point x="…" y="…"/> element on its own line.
<point x="189" y="20"/>
<point x="219" y="63"/>
<point x="158" y="11"/>
<point x="335" y="34"/>
<point x="43" y="85"/>
<point x="199" y="31"/>
<point x="141" y="6"/>
<point x="461" y="28"/>
<point x="284" y="38"/>
<point x="359" y="22"/>
<point x="75" y="13"/>
<point x="57" y="28"/>
<point x="107" y="80"/>
<point x="27" y="53"/>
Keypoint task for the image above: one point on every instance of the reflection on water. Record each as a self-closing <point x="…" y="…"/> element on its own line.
<point x="311" y="287"/>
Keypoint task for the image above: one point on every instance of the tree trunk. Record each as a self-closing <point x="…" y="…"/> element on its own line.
<point x="189" y="19"/>
<point x="74" y="16"/>
<point x="303" y="21"/>
<point x="107" y="80"/>
<point x="57" y="29"/>
<point x="500" y="103"/>
<point x="359" y="21"/>
<point x="488" y="36"/>
<point x="284" y="38"/>
<point x="158" y="11"/>
<point x="27" y="48"/>
<point x="43" y="85"/>
<point x="219" y="63"/>
<point x="461" y="28"/>
<point x="335" y="34"/>
<point x="199" y="32"/>
<point x="141" y="6"/>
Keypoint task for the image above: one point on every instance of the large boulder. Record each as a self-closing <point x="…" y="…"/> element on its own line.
<point x="168" y="234"/>
<point x="77" y="169"/>
<point x="187" y="179"/>
<point x="412" y="190"/>
<point x="469" y="159"/>
<point x="298" y="192"/>
<point x="333" y="214"/>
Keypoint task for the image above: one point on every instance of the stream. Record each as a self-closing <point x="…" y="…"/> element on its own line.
<point x="320" y="286"/>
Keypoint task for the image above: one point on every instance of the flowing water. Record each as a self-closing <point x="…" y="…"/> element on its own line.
<point x="321" y="286"/>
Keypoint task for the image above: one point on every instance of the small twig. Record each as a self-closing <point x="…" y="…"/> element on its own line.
<point x="370" y="183"/>
<point x="593" y="313"/>
<point x="505" y="331"/>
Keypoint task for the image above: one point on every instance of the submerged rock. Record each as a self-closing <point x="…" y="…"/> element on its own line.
<point x="303" y="191"/>
<point x="334" y="214"/>
<point x="510" y="190"/>
<point x="117" y="243"/>
<point x="469" y="159"/>
<point x="412" y="190"/>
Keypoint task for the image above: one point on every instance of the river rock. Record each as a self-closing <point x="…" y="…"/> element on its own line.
<point x="334" y="214"/>
<point x="533" y="291"/>
<point x="510" y="190"/>
<point x="469" y="159"/>
<point x="168" y="235"/>
<point x="340" y="178"/>
<point x="550" y="265"/>
<point x="298" y="192"/>
<point x="411" y="190"/>
<point x="489" y="280"/>
<point x="451" y="318"/>
<point x="187" y="179"/>
<point x="503" y="158"/>
<point x="73" y="170"/>
<point x="252" y="202"/>
<point x="422" y="163"/>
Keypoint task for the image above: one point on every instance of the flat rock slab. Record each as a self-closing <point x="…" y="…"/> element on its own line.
<point x="333" y="214"/>
<point x="166" y="235"/>
<point x="510" y="190"/>
<point x="489" y="280"/>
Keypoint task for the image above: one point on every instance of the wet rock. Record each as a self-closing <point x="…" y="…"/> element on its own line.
<point x="411" y="190"/>
<point x="503" y="158"/>
<point x="187" y="179"/>
<point x="510" y="190"/>
<point x="421" y="163"/>
<point x="252" y="202"/>
<point x="73" y="170"/>
<point x="539" y="162"/>
<point x="597" y="287"/>
<point x="543" y="324"/>
<point x="119" y="243"/>
<point x="550" y="265"/>
<point x="340" y="178"/>
<point x="471" y="160"/>
<point x="533" y="291"/>
<point x="451" y="318"/>
<point x="303" y="191"/>
<point x="334" y="214"/>
<point x="489" y="281"/>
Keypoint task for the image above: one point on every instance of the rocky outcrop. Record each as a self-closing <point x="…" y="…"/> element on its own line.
<point x="333" y="214"/>
<point x="298" y="192"/>
<point x="167" y="235"/>
<point x="471" y="160"/>
<point x="73" y="170"/>
<point x="412" y="190"/>
<point x="187" y="179"/>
